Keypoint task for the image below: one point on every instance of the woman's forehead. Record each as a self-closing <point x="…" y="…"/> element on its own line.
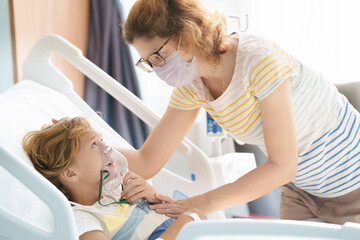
<point x="146" y="46"/>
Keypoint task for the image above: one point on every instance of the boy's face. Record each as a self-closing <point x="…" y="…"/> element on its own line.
<point x="88" y="160"/>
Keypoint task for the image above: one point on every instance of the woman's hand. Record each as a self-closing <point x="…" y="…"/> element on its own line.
<point x="171" y="207"/>
<point x="136" y="187"/>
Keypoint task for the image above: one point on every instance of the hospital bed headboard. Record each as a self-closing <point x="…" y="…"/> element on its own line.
<point x="31" y="207"/>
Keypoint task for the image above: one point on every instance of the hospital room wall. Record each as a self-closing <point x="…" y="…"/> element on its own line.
<point x="32" y="19"/>
<point x="320" y="33"/>
<point x="6" y="69"/>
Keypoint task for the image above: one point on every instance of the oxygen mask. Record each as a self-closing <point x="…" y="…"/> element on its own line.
<point x="114" y="167"/>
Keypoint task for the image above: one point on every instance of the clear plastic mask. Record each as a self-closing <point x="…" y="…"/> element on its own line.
<point x="114" y="168"/>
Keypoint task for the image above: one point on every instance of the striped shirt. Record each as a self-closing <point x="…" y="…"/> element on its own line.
<point x="326" y="124"/>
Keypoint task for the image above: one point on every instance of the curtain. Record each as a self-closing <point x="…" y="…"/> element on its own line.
<point x="107" y="50"/>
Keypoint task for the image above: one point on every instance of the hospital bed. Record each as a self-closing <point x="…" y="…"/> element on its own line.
<point x="32" y="208"/>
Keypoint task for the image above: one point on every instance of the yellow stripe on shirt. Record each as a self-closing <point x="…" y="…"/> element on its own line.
<point x="274" y="76"/>
<point x="238" y="134"/>
<point x="261" y="62"/>
<point x="185" y="104"/>
<point x="184" y="95"/>
<point x="272" y="69"/>
<point x="237" y="115"/>
<point x="275" y="60"/>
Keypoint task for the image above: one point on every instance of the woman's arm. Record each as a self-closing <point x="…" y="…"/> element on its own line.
<point x="281" y="143"/>
<point x="161" y="143"/>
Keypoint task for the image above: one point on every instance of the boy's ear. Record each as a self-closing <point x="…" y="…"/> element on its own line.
<point x="69" y="175"/>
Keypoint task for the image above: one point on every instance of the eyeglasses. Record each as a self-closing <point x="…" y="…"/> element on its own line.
<point x="155" y="59"/>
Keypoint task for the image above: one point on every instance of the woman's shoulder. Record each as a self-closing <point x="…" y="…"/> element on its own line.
<point x="251" y="51"/>
<point x="252" y="45"/>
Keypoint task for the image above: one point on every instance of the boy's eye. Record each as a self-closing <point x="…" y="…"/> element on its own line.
<point x="94" y="145"/>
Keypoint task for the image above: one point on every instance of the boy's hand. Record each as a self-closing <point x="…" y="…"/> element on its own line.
<point x="136" y="187"/>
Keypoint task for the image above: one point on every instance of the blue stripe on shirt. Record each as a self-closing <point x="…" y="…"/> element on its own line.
<point x="161" y="229"/>
<point x="329" y="151"/>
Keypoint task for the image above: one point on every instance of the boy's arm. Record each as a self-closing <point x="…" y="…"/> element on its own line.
<point x="94" y="235"/>
<point x="174" y="229"/>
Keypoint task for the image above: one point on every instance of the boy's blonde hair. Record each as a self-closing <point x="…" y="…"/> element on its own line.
<point x="201" y="31"/>
<point x="52" y="149"/>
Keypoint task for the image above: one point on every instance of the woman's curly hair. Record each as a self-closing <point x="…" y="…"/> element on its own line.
<point x="203" y="32"/>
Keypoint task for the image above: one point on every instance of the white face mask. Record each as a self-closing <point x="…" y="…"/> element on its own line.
<point x="176" y="72"/>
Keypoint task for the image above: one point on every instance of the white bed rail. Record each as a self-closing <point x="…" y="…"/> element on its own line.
<point x="256" y="229"/>
<point x="15" y="228"/>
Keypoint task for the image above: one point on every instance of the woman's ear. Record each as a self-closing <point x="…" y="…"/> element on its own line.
<point x="69" y="175"/>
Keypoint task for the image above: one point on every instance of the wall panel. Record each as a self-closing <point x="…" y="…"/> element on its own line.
<point x="32" y="19"/>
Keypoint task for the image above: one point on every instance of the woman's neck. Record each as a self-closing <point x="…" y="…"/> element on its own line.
<point x="217" y="76"/>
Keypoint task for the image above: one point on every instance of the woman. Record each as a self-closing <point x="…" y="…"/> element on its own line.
<point x="260" y="95"/>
